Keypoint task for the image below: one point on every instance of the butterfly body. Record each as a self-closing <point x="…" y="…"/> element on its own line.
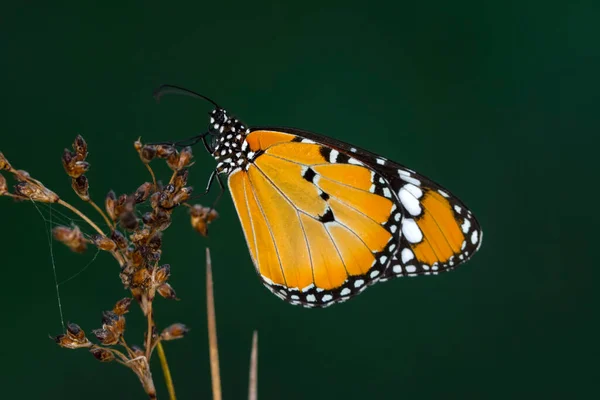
<point x="324" y="220"/>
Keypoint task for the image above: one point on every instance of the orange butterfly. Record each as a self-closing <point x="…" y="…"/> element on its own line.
<point x="324" y="220"/>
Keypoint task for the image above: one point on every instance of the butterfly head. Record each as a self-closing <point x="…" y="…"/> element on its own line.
<point x="218" y="121"/>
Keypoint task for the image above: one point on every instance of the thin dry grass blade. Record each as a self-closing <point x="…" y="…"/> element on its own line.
<point x="253" y="379"/>
<point x="212" y="331"/>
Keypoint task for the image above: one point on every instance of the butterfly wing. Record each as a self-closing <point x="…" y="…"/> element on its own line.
<point x="324" y="220"/>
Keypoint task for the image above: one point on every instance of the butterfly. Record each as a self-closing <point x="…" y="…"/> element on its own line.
<point x="323" y="219"/>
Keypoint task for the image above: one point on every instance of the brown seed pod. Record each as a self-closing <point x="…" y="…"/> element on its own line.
<point x="175" y="331"/>
<point x="106" y="336"/>
<point x="162" y="274"/>
<point x="119" y="239"/>
<point x="4" y="164"/>
<point x="102" y="355"/>
<point x="184" y="158"/>
<point x="80" y="147"/>
<point x="81" y="186"/>
<point x="167" y="291"/>
<point x="35" y="192"/>
<point x="3" y="185"/>
<point x="143" y="192"/>
<point x="109" y="205"/>
<point x="104" y="243"/>
<point x="71" y="237"/>
<point x="122" y="306"/>
<point x="148" y="153"/>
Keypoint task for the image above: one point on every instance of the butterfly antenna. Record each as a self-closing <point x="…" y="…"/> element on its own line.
<point x="172" y="89"/>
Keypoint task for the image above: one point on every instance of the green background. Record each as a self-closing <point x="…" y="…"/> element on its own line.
<point x="498" y="101"/>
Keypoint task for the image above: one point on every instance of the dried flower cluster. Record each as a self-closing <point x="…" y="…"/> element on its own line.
<point x="134" y="241"/>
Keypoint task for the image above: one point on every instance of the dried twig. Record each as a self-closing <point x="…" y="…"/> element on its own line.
<point x="212" y="331"/>
<point x="253" y="376"/>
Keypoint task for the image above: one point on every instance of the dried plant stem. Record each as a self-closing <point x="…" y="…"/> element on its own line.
<point x="150" y="317"/>
<point x="108" y="221"/>
<point x="253" y="378"/>
<point x="212" y="331"/>
<point x="81" y="215"/>
<point x="149" y="168"/>
<point x="166" y="371"/>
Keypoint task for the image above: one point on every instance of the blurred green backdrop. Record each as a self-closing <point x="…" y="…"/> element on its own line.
<point x="495" y="100"/>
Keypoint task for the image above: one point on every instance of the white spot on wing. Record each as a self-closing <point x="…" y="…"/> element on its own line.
<point x="415" y="191"/>
<point x="311" y="298"/>
<point x="345" y="292"/>
<point x="307" y="141"/>
<point x="397" y="269"/>
<point x="333" y="156"/>
<point x="354" y="161"/>
<point x="374" y="273"/>
<point x="411" y="230"/>
<point x="411" y="268"/>
<point x="407" y="255"/>
<point x="409" y="202"/>
<point x="359" y="283"/>
<point x="474" y="237"/>
<point x="327" y="298"/>
<point x="458" y="209"/>
<point x="466" y="226"/>
<point x="443" y="193"/>
<point x="387" y="193"/>
<point x="380" y="161"/>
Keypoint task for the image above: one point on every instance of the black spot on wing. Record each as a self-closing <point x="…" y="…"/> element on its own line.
<point x="327" y="217"/>
<point x="309" y="175"/>
<point x="324" y="196"/>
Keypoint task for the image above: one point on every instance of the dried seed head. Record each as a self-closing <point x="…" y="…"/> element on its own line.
<point x="175" y="331"/>
<point x="155" y="199"/>
<point x="73" y="164"/>
<point x="36" y="192"/>
<point x="181" y="178"/>
<point x="106" y="337"/>
<point x="103" y="355"/>
<point x="173" y="160"/>
<point x="155" y="241"/>
<point x="119" y="239"/>
<point x="185" y="157"/>
<point x="128" y="220"/>
<point x="4" y="164"/>
<point x="201" y="217"/>
<point x="162" y="274"/>
<point x="75" y="332"/>
<point x="3" y="185"/>
<point x="109" y="318"/>
<point x="74" y="338"/>
<point x="109" y="205"/>
<point x="166" y="291"/>
<point x="182" y="195"/>
<point x="68" y="342"/>
<point x="165" y="150"/>
<point x="147" y="153"/>
<point x="71" y="237"/>
<point x="140" y="278"/>
<point x="104" y="243"/>
<point x="81" y="186"/>
<point x="122" y="306"/>
<point x="80" y="147"/>
<point x="141" y="235"/>
<point x="142" y="193"/>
